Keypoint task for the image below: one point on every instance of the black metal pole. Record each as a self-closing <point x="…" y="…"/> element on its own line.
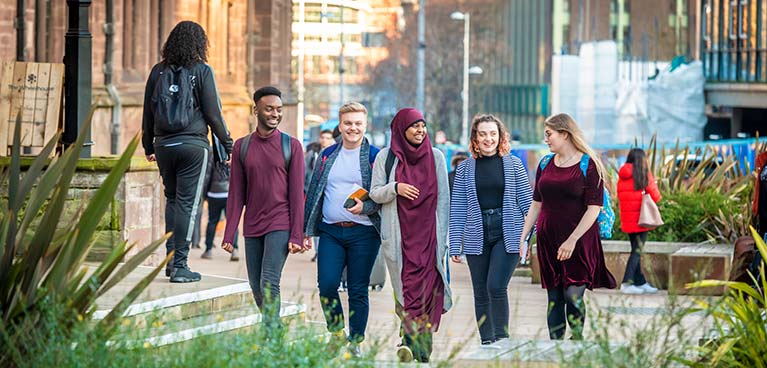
<point x="77" y="73"/>
<point x="21" y="26"/>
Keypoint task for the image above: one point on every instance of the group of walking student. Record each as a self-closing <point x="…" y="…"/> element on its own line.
<point x="402" y="207"/>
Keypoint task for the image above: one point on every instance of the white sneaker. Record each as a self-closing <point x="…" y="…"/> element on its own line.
<point x="631" y="289"/>
<point x="647" y="288"/>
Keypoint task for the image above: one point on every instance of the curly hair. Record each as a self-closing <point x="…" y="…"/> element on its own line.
<point x="186" y="45"/>
<point x="504" y="147"/>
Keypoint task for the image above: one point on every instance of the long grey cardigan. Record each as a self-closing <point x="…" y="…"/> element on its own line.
<point x="383" y="192"/>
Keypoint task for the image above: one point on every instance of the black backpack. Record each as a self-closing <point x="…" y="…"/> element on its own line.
<point x="174" y="99"/>
<point x="286" y="153"/>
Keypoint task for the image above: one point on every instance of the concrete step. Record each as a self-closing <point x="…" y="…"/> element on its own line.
<point x="242" y="319"/>
<point x="187" y="305"/>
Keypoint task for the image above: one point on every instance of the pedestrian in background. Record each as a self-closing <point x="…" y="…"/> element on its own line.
<point x="634" y="179"/>
<point x="566" y="204"/>
<point x="216" y="193"/>
<point x="415" y="201"/>
<point x="267" y="180"/>
<point x="348" y="231"/>
<point x="180" y="102"/>
<point x="458" y="157"/>
<point x="312" y="155"/>
<point x="491" y="197"/>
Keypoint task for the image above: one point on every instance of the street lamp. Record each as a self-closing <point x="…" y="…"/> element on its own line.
<point x="466" y="18"/>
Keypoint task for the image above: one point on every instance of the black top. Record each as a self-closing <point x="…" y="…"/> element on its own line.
<point x="490" y="183"/>
<point x="209" y="113"/>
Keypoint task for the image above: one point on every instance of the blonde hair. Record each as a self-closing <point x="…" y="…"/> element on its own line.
<point x="504" y="147"/>
<point x="351" y="107"/>
<point x="564" y="123"/>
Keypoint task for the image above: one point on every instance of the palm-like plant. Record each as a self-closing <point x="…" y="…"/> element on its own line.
<point x="740" y="321"/>
<point x="44" y="263"/>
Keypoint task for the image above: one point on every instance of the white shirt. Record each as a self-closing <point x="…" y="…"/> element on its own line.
<point x="344" y="176"/>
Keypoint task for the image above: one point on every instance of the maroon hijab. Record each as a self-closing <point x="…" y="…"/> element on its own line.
<point x="422" y="286"/>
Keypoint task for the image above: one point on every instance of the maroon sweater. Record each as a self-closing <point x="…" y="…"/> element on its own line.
<point x="274" y="199"/>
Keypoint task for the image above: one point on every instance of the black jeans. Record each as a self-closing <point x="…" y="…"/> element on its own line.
<point x="633" y="274"/>
<point x="566" y="306"/>
<point x="216" y="207"/>
<point x="490" y="275"/>
<point x="265" y="257"/>
<point x="182" y="167"/>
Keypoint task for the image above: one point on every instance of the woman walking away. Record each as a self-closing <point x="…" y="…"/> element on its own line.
<point x="491" y="197"/>
<point x="567" y="198"/>
<point x="413" y="191"/>
<point x="181" y="102"/>
<point x="634" y="179"/>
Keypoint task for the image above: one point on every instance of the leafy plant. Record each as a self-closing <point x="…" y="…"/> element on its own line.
<point x="706" y="194"/>
<point x="740" y="321"/>
<point x="45" y="265"/>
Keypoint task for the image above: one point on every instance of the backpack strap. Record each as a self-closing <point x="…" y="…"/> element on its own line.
<point x="545" y="160"/>
<point x="244" y="149"/>
<point x="373" y="154"/>
<point x="585" y="164"/>
<point x="286" y="152"/>
<point x="389" y="164"/>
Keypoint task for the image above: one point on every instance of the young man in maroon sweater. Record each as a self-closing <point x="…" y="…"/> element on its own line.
<point x="273" y="198"/>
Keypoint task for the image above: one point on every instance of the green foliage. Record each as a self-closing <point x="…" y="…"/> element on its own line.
<point x="44" y="265"/>
<point x="300" y="347"/>
<point x="706" y="196"/>
<point x="740" y="321"/>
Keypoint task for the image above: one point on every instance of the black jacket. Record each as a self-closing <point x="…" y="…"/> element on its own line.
<point x="208" y="113"/>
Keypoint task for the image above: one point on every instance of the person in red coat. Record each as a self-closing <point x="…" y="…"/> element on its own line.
<point x="634" y="178"/>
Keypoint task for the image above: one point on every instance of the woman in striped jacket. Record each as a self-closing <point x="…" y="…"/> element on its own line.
<point x="489" y="203"/>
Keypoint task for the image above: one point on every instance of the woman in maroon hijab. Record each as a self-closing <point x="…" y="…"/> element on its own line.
<point x="415" y="199"/>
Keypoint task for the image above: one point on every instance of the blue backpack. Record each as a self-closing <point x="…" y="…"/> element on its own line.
<point x="606" y="216"/>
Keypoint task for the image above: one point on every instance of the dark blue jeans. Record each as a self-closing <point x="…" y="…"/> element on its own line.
<point x="356" y="249"/>
<point x="490" y="275"/>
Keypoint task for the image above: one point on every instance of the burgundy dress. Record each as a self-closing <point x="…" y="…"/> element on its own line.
<point x="564" y="195"/>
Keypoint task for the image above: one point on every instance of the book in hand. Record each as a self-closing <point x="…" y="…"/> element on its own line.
<point x="358" y="193"/>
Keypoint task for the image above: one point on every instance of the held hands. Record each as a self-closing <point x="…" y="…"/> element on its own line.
<point x="294" y="248"/>
<point x="566" y="250"/>
<point x="308" y="242"/>
<point x="456" y="259"/>
<point x="355" y="210"/>
<point x="408" y="191"/>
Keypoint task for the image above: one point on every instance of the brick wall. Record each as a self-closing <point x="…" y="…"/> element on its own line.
<point x="226" y="22"/>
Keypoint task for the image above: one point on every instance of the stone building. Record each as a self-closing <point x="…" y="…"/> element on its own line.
<point x="250" y="43"/>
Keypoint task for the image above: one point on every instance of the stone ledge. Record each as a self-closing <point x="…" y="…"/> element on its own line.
<point x="667" y="265"/>
<point x="94" y="164"/>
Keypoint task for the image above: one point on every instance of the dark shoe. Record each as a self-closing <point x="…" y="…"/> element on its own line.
<point x="195" y="246"/>
<point x="404" y="354"/>
<point x="168" y="269"/>
<point x="235" y="255"/>
<point x="181" y="275"/>
<point x="208" y="254"/>
<point x="314" y="257"/>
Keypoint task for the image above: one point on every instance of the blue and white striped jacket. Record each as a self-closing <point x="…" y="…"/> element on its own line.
<point x="466" y="232"/>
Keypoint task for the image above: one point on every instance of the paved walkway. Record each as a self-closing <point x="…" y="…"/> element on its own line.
<point x="458" y="332"/>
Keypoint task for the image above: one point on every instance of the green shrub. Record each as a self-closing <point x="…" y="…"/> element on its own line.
<point x="43" y="265"/>
<point x="48" y="346"/>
